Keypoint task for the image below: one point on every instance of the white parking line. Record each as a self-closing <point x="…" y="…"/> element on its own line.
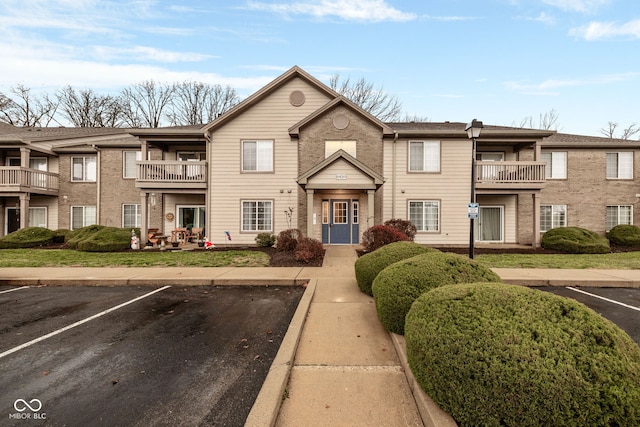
<point x="14" y="289"/>
<point x="78" y="323"/>
<point x="605" y="299"/>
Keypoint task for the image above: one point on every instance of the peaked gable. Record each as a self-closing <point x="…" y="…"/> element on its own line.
<point x="372" y="179"/>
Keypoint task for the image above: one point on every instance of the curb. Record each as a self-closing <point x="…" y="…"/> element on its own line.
<point x="266" y="408"/>
<point x="430" y="412"/>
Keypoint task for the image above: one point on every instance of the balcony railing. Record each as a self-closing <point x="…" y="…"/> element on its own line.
<point x="19" y="179"/>
<point x="510" y="172"/>
<point x="176" y="172"/>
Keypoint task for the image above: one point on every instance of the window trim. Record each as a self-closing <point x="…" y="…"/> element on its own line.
<point x="46" y="216"/>
<point x="549" y="165"/>
<point x="424" y="143"/>
<point x="257" y="170"/>
<point x="439" y="216"/>
<point x="257" y="230"/>
<point x="124" y="163"/>
<point x="617" y="176"/>
<point x="606" y="225"/>
<point x="84" y="168"/>
<point x="552" y="206"/>
<point x="138" y="215"/>
<point x="84" y="216"/>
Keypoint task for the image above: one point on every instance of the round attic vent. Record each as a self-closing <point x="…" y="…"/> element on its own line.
<point x="296" y="98"/>
<point x="341" y="121"/>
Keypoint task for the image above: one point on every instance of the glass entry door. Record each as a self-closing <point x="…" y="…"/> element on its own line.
<point x="489" y="224"/>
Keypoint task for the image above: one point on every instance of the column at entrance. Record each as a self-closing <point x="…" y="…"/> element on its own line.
<point x="310" y="212"/>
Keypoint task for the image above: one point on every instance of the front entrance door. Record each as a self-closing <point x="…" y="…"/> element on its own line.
<point x="13" y="220"/>
<point x="340" y="221"/>
<point x="490" y="224"/>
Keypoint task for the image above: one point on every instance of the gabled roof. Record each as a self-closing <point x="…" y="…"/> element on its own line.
<point x="292" y="73"/>
<point x="569" y="140"/>
<point x="377" y="179"/>
<point x="457" y="130"/>
<point x="340" y="100"/>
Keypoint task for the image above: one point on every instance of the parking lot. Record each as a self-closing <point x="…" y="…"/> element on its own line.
<point x="620" y="305"/>
<point x="137" y="355"/>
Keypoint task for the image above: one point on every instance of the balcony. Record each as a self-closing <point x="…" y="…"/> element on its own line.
<point x="510" y="175"/>
<point x="171" y="174"/>
<point x="16" y="179"/>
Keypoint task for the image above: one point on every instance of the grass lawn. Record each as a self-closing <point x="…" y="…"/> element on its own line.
<point x="71" y="258"/>
<point x="620" y="260"/>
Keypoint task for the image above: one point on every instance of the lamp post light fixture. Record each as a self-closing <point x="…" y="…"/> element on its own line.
<point x="473" y="131"/>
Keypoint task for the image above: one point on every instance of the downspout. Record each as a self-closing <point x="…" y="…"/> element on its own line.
<point x="98" y="192"/>
<point x="393" y="176"/>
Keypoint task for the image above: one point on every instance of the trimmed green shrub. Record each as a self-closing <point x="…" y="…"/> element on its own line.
<point x="505" y="355"/>
<point x="399" y="285"/>
<point x="404" y="226"/>
<point x="308" y="250"/>
<point x="288" y="239"/>
<point x="28" y="237"/>
<point x="379" y="235"/>
<point x="625" y="235"/>
<point x="369" y="265"/>
<point x="575" y="240"/>
<point x="74" y="237"/>
<point x="108" y="239"/>
<point x="265" y="240"/>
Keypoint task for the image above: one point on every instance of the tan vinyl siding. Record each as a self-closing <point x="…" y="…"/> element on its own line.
<point x="451" y="187"/>
<point x="341" y="172"/>
<point x="269" y="119"/>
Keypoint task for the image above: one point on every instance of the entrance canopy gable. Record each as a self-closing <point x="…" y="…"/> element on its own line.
<point x="341" y="171"/>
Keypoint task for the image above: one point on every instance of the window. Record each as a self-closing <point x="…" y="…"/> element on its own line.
<point x="38" y="217"/>
<point x="620" y="165"/>
<point x="356" y="211"/>
<point x="131" y="216"/>
<point x="425" y="215"/>
<point x="257" y="156"/>
<point x="257" y="215"/>
<point x="552" y="216"/>
<point x="82" y="216"/>
<point x="331" y="147"/>
<point x="556" y="167"/>
<point x="192" y="156"/>
<point x="617" y="215"/>
<point x="424" y="156"/>
<point x="325" y="212"/>
<point x="83" y="169"/>
<point x="129" y="159"/>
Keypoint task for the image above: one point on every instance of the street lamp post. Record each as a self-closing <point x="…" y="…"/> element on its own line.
<point x="473" y="131"/>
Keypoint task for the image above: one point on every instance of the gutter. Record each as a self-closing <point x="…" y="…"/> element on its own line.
<point x="393" y="176"/>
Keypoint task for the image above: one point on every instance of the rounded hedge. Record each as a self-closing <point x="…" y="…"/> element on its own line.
<point x="575" y="240"/>
<point x="108" y="239"/>
<point x="503" y="355"/>
<point x="369" y="265"/>
<point x="28" y="237"/>
<point x="625" y="235"/>
<point x="399" y="285"/>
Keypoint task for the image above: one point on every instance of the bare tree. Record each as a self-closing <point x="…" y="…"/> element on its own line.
<point x="197" y="103"/>
<point x="546" y="121"/>
<point x="144" y="103"/>
<point x="25" y="109"/>
<point x="85" y="108"/>
<point x="627" y="133"/>
<point x="362" y="93"/>
<point x="414" y="118"/>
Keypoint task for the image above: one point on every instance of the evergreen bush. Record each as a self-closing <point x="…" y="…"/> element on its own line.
<point x="504" y="355"/>
<point x="369" y="265"/>
<point x="74" y="237"/>
<point x="28" y="237"/>
<point x="625" y="235"/>
<point x="107" y="239"/>
<point x="265" y="240"/>
<point x="399" y="285"/>
<point x="575" y="240"/>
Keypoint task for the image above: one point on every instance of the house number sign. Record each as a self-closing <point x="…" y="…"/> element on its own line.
<point x="341" y="176"/>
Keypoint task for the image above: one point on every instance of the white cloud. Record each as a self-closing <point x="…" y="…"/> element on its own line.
<point x="607" y="30"/>
<point x="585" y="6"/>
<point x="146" y="53"/>
<point x="349" y="10"/>
<point x="543" y="17"/>
<point x="551" y="86"/>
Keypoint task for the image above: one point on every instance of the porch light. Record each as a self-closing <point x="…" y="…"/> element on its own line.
<point x="473" y="131"/>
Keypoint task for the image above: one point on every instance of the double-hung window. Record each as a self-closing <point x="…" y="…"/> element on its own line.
<point x="257" y="215"/>
<point x="257" y="156"/>
<point x="83" y="169"/>
<point x="129" y="159"/>
<point x="620" y="165"/>
<point x="425" y="215"/>
<point x="556" y="164"/>
<point x="424" y="156"/>
<point x="619" y="215"/>
<point x="552" y="216"/>
<point x="131" y="216"/>
<point x="82" y="216"/>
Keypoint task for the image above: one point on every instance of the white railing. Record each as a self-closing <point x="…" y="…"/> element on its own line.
<point x="510" y="172"/>
<point x="171" y="171"/>
<point x="16" y="178"/>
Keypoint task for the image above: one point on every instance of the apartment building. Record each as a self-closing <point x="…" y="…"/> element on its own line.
<point x="296" y="154"/>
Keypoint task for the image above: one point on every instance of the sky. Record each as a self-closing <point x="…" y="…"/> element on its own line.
<point x="500" y="61"/>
